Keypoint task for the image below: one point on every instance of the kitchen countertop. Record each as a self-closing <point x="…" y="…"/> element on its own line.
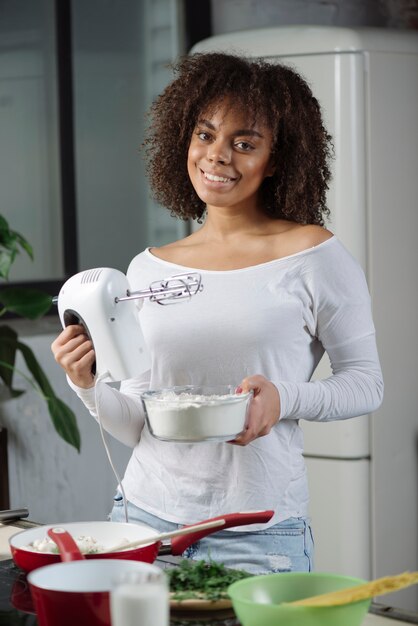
<point x="6" y="531"/>
<point x="380" y="615"/>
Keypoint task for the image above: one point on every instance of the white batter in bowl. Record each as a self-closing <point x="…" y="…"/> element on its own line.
<point x="192" y="414"/>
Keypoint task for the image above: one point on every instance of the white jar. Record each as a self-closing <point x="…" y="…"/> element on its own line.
<point x="140" y="600"/>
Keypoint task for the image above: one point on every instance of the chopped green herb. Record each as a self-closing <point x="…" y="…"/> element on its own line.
<point x="202" y="580"/>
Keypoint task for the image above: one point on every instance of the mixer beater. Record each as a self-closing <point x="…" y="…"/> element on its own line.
<point x="169" y="290"/>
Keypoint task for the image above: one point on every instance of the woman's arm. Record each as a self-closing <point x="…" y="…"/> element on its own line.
<point x="355" y="387"/>
<point x="121" y="413"/>
<point x="340" y="317"/>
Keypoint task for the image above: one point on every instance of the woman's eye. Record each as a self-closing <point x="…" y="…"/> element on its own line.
<point x="244" y="145"/>
<point x="203" y="136"/>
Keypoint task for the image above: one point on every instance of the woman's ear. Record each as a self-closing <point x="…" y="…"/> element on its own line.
<point x="270" y="168"/>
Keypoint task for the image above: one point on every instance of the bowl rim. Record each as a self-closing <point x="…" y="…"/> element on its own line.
<point x="152" y="394"/>
<point x="248" y="581"/>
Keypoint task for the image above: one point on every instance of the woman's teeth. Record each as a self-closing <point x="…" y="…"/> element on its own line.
<point x="217" y="179"/>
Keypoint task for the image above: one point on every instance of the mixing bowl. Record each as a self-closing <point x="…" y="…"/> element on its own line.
<point x="257" y="600"/>
<point x="192" y="413"/>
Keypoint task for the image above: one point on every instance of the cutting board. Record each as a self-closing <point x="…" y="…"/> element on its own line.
<point x="6" y="531"/>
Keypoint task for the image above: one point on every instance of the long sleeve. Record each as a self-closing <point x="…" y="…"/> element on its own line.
<point x="120" y="411"/>
<point x="355" y="388"/>
<point x="342" y="322"/>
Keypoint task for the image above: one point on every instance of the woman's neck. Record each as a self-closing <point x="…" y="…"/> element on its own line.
<point x="224" y="224"/>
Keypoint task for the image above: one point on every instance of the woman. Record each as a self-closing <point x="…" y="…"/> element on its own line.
<point x="241" y="146"/>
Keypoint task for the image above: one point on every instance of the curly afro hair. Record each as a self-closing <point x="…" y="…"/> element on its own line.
<point x="269" y="93"/>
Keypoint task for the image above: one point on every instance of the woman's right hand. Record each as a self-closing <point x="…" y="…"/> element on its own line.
<point x="73" y="350"/>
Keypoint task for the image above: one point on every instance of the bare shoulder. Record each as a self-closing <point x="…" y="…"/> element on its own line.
<point x="311" y="235"/>
<point x="299" y="237"/>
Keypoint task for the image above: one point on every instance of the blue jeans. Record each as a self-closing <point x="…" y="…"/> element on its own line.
<point x="285" y="547"/>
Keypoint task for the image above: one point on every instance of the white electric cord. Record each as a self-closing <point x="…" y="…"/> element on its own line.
<point x="106" y="447"/>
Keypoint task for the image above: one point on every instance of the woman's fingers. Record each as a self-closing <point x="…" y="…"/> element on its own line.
<point x="264" y="409"/>
<point x="73" y="350"/>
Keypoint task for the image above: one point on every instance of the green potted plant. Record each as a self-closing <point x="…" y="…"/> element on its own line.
<point x="30" y="304"/>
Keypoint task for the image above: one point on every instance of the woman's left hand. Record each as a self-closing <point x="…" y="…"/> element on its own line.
<point x="264" y="409"/>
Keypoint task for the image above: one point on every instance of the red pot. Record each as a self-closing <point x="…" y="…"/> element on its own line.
<point x="78" y="592"/>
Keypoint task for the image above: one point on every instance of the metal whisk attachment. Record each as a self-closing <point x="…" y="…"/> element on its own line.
<point x="169" y="290"/>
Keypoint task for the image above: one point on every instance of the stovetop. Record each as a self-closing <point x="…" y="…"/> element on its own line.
<point x="16" y="608"/>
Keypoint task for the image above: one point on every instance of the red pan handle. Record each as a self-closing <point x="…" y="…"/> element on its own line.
<point x="179" y="544"/>
<point x="68" y="548"/>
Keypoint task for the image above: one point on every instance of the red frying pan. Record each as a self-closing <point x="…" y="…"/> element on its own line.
<point x="109" y="534"/>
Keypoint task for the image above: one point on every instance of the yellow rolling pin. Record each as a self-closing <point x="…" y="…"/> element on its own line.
<point x="377" y="587"/>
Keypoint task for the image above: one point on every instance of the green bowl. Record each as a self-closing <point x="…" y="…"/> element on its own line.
<point x="257" y="600"/>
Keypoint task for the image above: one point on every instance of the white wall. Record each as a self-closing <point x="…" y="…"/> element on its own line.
<point x="233" y="15"/>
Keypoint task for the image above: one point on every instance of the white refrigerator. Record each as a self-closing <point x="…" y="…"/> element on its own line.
<point x="363" y="472"/>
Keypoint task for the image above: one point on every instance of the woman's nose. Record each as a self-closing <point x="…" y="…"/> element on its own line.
<point x="219" y="153"/>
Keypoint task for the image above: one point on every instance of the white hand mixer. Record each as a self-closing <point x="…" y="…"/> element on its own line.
<point x="100" y="299"/>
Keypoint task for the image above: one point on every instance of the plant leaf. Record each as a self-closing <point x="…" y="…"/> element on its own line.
<point x="32" y="304"/>
<point x="64" y="421"/>
<point x="62" y="417"/>
<point x="8" y="346"/>
<point x="6" y="259"/>
<point x="10" y="241"/>
<point x="3" y="225"/>
<point x="24" y="244"/>
<point x="35" y="369"/>
<point x="26" y="302"/>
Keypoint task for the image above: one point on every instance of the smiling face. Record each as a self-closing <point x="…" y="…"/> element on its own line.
<point x="229" y="158"/>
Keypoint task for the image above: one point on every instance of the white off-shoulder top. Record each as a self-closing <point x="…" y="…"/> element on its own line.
<point x="275" y="319"/>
